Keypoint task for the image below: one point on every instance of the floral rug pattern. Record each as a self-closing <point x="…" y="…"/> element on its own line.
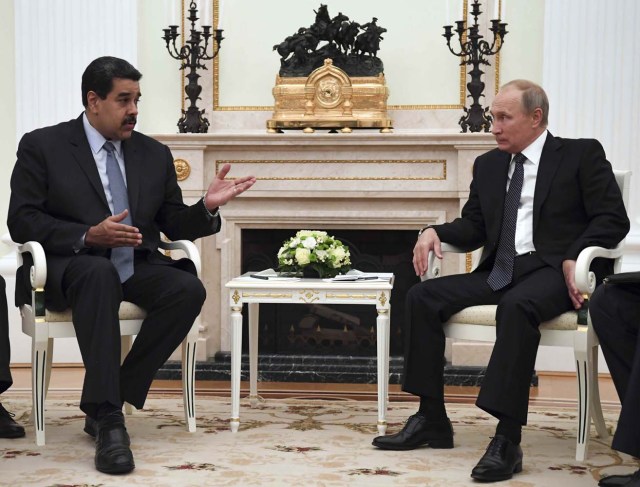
<point x="293" y="442"/>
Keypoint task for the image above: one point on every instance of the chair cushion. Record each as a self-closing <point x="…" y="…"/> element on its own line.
<point x="486" y="315"/>
<point x="128" y="311"/>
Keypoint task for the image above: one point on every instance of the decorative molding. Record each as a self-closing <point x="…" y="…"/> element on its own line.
<point x="442" y="177"/>
<point x="215" y="73"/>
<point x="183" y="169"/>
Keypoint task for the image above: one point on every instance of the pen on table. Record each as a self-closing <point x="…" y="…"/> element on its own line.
<point x="355" y="278"/>
<point x="256" y="276"/>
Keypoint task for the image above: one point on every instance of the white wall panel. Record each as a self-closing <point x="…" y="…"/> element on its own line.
<point x="55" y="40"/>
<point x="591" y="72"/>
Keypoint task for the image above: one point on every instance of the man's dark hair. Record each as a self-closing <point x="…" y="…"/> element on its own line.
<point x="99" y="75"/>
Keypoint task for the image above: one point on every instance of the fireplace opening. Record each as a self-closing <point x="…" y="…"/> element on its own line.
<point x="342" y="330"/>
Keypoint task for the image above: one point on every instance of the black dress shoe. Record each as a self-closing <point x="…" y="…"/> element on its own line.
<point x="113" y="454"/>
<point x="418" y="431"/>
<point x="502" y="459"/>
<point x="8" y="427"/>
<point x="635" y="480"/>
<point x="90" y="426"/>
<point x="629" y="480"/>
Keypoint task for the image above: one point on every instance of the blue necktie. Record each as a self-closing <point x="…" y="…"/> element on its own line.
<point x="122" y="257"/>
<point x="502" y="272"/>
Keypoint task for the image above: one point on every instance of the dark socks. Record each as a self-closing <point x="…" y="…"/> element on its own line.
<point x="105" y="409"/>
<point x="433" y="409"/>
<point x="511" y="429"/>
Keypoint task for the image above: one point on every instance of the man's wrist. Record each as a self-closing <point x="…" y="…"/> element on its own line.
<point x="424" y="229"/>
<point x="210" y="214"/>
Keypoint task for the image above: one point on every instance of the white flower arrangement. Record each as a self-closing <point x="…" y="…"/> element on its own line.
<point x="313" y="249"/>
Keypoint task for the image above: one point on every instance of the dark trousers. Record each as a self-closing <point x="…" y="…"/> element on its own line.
<point x="5" y="349"/>
<point x="615" y="314"/>
<point x="538" y="293"/>
<point x="172" y="298"/>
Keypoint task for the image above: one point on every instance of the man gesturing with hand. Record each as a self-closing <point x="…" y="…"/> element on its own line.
<point x="96" y="195"/>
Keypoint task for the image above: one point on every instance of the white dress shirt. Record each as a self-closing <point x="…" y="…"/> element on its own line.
<point x="96" y="141"/>
<point x="524" y="223"/>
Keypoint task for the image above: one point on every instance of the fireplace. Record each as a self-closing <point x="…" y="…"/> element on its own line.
<point x="338" y="330"/>
<point x="365" y="188"/>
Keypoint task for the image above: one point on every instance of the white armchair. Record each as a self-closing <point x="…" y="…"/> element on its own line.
<point x="43" y="325"/>
<point x="570" y="329"/>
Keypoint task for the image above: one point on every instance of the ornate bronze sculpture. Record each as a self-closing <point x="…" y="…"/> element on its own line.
<point x="331" y="77"/>
<point x="352" y="47"/>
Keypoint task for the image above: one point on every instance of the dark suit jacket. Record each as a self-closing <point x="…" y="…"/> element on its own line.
<point x="56" y="195"/>
<point x="576" y="204"/>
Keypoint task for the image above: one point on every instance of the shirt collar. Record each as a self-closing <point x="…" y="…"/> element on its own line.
<point x="534" y="151"/>
<point x="96" y="139"/>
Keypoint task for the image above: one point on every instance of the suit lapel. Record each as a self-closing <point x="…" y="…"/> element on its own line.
<point x="549" y="162"/>
<point x="84" y="157"/>
<point x="498" y="193"/>
<point x="133" y="166"/>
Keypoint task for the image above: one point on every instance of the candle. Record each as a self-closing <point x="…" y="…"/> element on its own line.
<point x="496" y="9"/>
<point x="172" y="12"/>
<point x="220" y="4"/>
<point x="503" y="13"/>
<point x="447" y="20"/>
<point x="460" y="9"/>
<point x="205" y="17"/>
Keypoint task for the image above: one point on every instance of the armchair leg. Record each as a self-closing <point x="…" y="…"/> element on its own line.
<point x="596" y="407"/>
<point x="584" y="419"/>
<point x="47" y="377"/>
<point x="40" y="360"/>
<point x="188" y="380"/>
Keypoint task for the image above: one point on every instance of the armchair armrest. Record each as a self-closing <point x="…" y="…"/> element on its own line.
<point x="38" y="273"/>
<point x="189" y="248"/>
<point x="585" y="279"/>
<point x="435" y="264"/>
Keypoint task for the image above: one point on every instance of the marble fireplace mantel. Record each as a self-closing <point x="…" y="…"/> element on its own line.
<point x="364" y="180"/>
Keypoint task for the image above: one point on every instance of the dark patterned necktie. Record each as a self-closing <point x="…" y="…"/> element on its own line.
<point x="122" y="257"/>
<point x="502" y="271"/>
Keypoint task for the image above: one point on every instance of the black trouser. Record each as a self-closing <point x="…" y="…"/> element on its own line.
<point x="172" y="298"/>
<point x="538" y="293"/>
<point x="615" y="314"/>
<point x="5" y="348"/>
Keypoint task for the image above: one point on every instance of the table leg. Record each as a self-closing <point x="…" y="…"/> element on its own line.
<point x="254" y="313"/>
<point x="236" y="363"/>
<point x="383" y="368"/>
<point x="386" y="369"/>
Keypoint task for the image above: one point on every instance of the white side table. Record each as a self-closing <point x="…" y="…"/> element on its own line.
<point x="245" y="289"/>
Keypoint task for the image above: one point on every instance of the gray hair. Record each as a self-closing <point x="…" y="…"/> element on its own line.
<point x="533" y="96"/>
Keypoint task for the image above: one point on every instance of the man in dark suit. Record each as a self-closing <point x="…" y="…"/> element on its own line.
<point x="96" y="195"/>
<point x="8" y="426"/>
<point x="562" y="197"/>
<point x="615" y="314"/>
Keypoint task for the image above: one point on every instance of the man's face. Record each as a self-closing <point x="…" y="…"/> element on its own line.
<point x="514" y="129"/>
<point x="115" y="117"/>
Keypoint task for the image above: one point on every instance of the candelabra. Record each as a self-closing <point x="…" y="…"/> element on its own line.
<point x="473" y="53"/>
<point x="192" y="54"/>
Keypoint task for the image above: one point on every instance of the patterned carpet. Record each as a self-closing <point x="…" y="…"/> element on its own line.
<point x="289" y="442"/>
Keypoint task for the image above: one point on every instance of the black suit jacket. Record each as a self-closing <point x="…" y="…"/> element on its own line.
<point x="57" y="194"/>
<point x="577" y="203"/>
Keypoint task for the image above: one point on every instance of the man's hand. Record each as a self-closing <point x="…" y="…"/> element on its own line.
<point x="427" y="242"/>
<point x="111" y="233"/>
<point x="569" y="271"/>
<point x="221" y="190"/>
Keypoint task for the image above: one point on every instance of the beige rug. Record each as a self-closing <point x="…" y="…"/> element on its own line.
<point x="292" y="443"/>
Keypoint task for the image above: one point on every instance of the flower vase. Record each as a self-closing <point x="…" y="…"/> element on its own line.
<point x="310" y="272"/>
